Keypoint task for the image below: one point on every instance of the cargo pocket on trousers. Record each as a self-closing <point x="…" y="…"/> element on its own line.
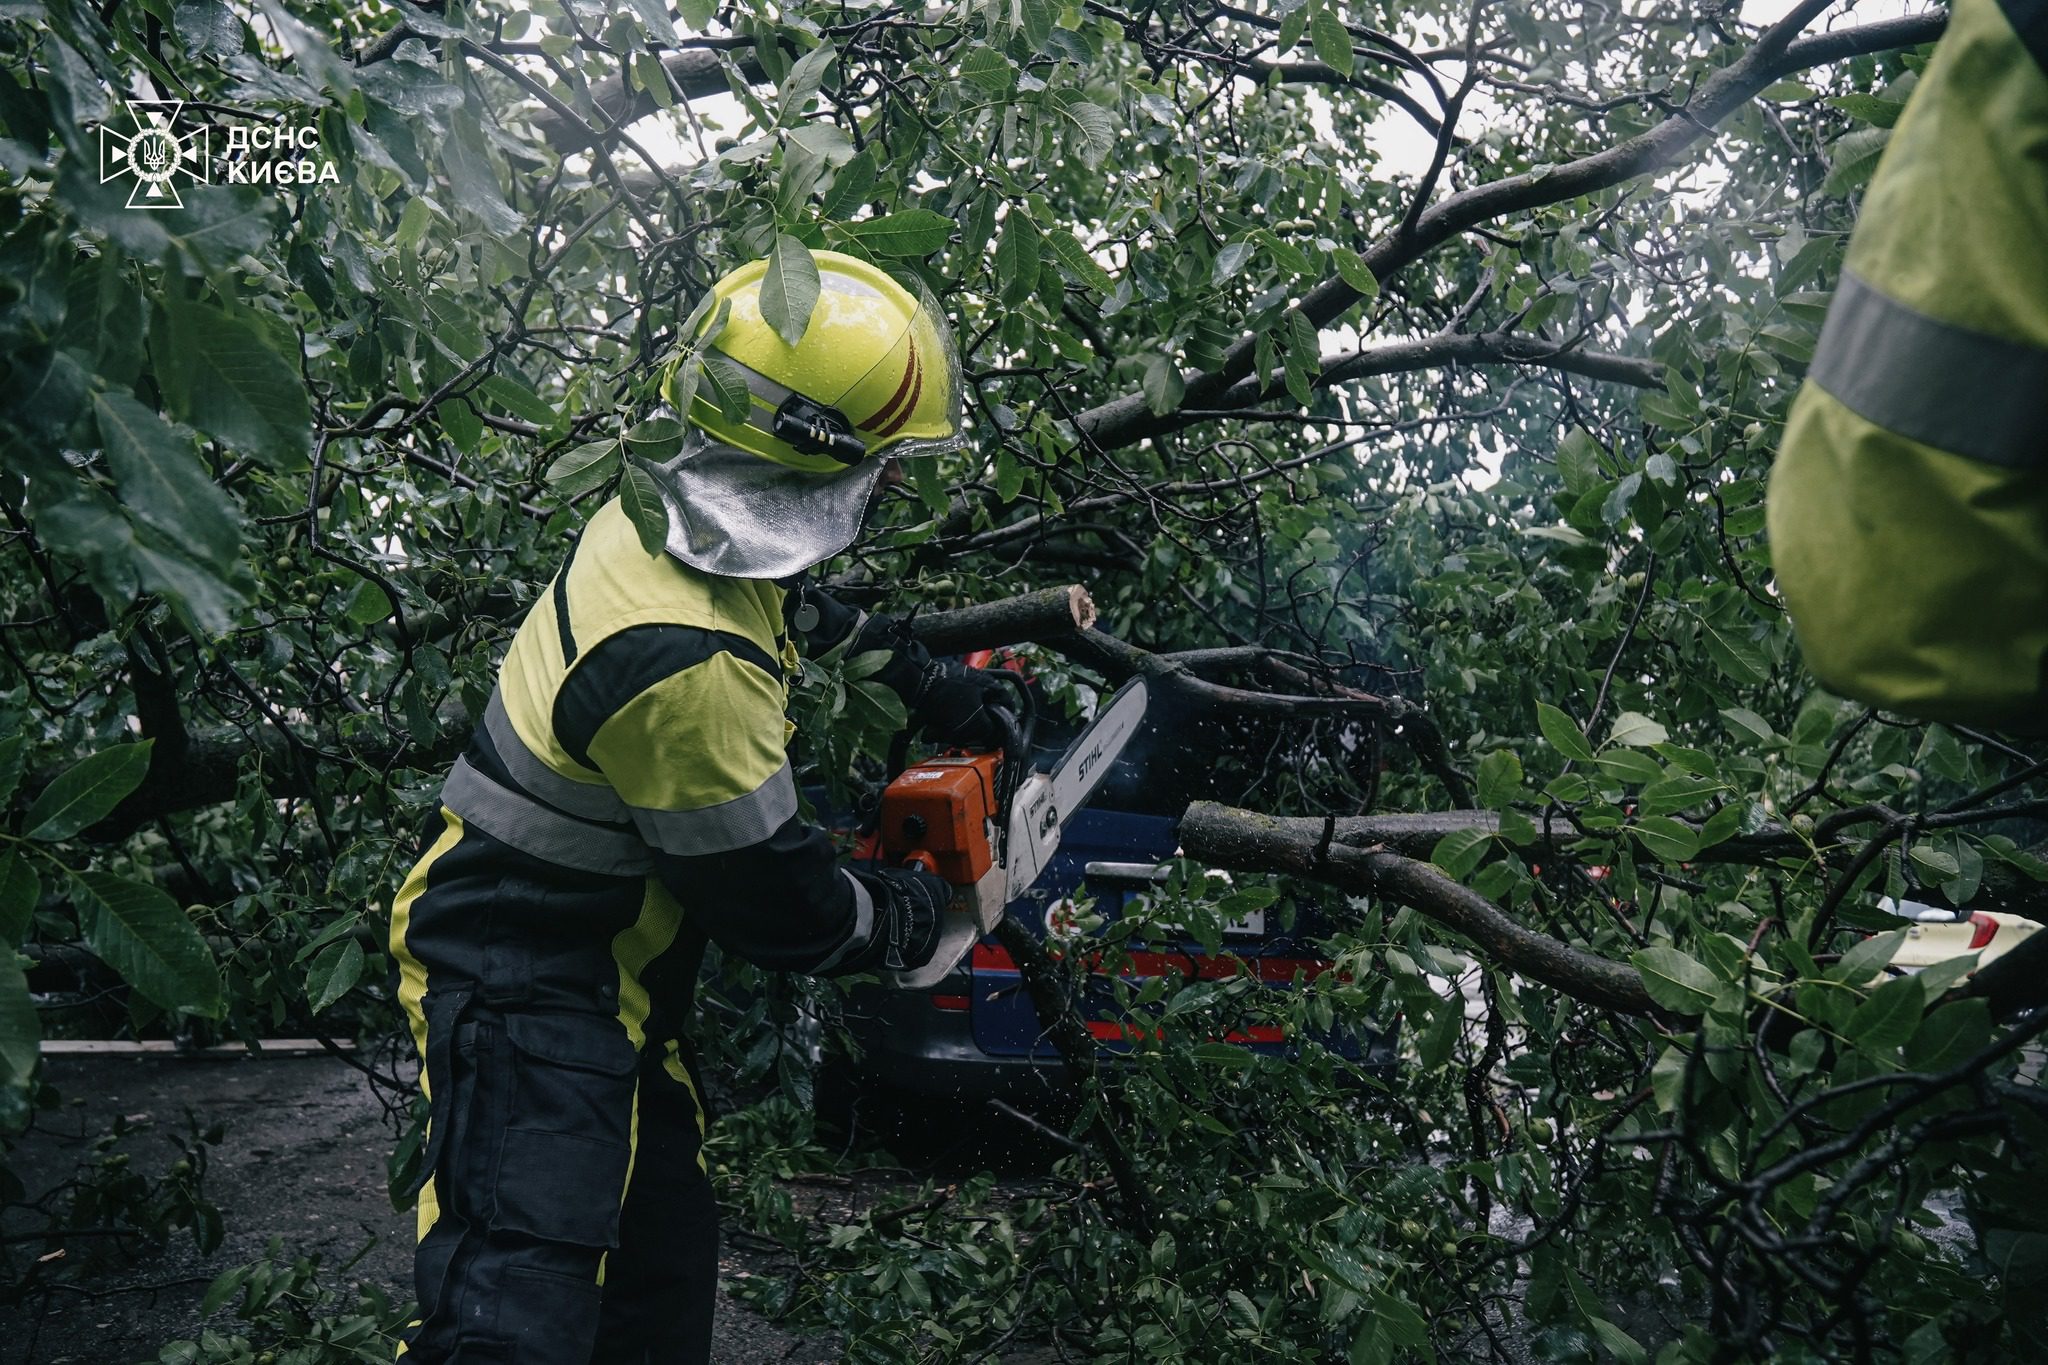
<point x="567" y="1142"/>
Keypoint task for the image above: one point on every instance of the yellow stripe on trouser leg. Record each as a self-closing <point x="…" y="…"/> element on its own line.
<point x="653" y="934"/>
<point x="412" y="981"/>
<point x="672" y="1062"/>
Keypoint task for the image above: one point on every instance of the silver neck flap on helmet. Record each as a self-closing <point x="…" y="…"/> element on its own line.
<point x="740" y="516"/>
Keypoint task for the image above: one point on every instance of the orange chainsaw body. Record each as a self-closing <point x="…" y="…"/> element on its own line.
<point x="940" y="815"/>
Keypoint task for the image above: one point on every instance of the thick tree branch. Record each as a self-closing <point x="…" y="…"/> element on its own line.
<point x="1389" y="357"/>
<point x="1252" y="842"/>
<point x="1126" y="420"/>
<point x="695" y="71"/>
<point x="1049" y="614"/>
<point x="1061" y="618"/>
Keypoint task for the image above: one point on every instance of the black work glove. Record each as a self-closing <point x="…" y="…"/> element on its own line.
<point x="957" y="706"/>
<point x="908" y="904"/>
<point x="949" y="701"/>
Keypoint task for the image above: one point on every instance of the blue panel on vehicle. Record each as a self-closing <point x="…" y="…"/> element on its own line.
<point x="1004" y="1022"/>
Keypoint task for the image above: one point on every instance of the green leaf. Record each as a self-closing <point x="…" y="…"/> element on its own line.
<point x="1667" y="839"/>
<point x="21" y="1033"/>
<point x="915" y="232"/>
<point x="413" y="222"/>
<point x="1402" y="1322"/>
<point x="1163" y="385"/>
<point x="1937" y="978"/>
<point x="679" y="382"/>
<point x="1578" y="461"/>
<point x="1937" y="864"/>
<point x="1331" y="41"/>
<point x="728" y="386"/>
<point x="87" y="790"/>
<point x="850" y="184"/>
<point x="1458" y="852"/>
<point x="586" y="467"/>
<point x="160" y="479"/>
<point x="648" y="75"/>
<point x="516" y="396"/>
<point x="1500" y="778"/>
<point x="142" y="934"/>
<point x="803" y="81"/>
<point x="1867" y="958"/>
<point x="1888" y="1018"/>
<point x="1950" y="1036"/>
<point x="1881" y="113"/>
<point x="656" y="439"/>
<point x="987" y="69"/>
<point x="472" y="178"/>
<point x="368" y="604"/>
<point x="1229" y="261"/>
<point x="1074" y="259"/>
<point x="1637" y="731"/>
<point x="641" y="500"/>
<point x="1563" y="733"/>
<point x="697" y="14"/>
<point x="1017" y="259"/>
<point x="13" y="751"/>
<point x="1435" y="1045"/>
<point x="1094" y="125"/>
<point x="1748" y="724"/>
<point x="1625" y="1347"/>
<point x="1674" y="980"/>
<point x="789" y="289"/>
<point x="1852" y="160"/>
<point x="20" y="889"/>
<point x="333" y="972"/>
<point x="1352" y="269"/>
<point x="220" y="375"/>
<point x="1739" y="658"/>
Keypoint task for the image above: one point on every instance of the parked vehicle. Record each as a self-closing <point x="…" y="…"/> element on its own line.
<point x="1936" y="933"/>
<point x="975" y="1035"/>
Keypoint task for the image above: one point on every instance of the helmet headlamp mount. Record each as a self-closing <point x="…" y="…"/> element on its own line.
<point x="816" y="429"/>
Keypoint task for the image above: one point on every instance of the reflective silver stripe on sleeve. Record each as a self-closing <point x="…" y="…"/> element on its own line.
<point x="1933" y="382"/>
<point x="722" y="828"/>
<point x="530" y="827"/>
<point x="590" y="800"/>
<point x="863" y="926"/>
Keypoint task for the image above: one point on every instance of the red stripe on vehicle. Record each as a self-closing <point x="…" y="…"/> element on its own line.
<point x="990" y="957"/>
<point x="889" y="408"/>
<point x="1110" y="1031"/>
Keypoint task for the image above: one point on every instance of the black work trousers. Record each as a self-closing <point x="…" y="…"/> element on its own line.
<point x="569" y="1218"/>
<point x="566" y="1217"/>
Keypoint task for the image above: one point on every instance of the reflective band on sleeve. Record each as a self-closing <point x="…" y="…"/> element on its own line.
<point x="863" y="926"/>
<point x="1941" y="385"/>
<point x="590" y="800"/>
<point x="722" y="828"/>
<point x="547" y="834"/>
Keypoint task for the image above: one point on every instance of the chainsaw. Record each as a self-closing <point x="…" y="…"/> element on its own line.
<point x="989" y="823"/>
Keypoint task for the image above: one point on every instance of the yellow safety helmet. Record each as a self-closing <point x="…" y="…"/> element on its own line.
<point x="875" y="372"/>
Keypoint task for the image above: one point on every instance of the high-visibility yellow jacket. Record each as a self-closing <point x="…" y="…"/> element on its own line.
<point x="1909" y="503"/>
<point x="638" y="729"/>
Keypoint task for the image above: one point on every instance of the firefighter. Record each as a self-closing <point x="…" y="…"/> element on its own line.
<point x="1909" y="502"/>
<point x="627" y="799"/>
